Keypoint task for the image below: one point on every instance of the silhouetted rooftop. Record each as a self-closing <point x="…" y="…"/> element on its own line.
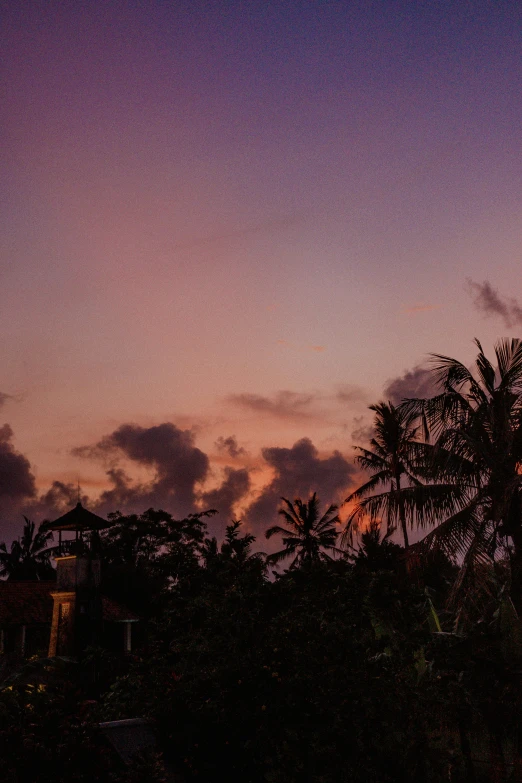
<point x="79" y="519"/>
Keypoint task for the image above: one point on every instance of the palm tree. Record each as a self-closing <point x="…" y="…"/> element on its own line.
<point x="235" y="555"/>
<point x="308" y="534"/>
<point x="395" y="462"/>
<point x="29" y="557"/>
<point x="477" y="423"/>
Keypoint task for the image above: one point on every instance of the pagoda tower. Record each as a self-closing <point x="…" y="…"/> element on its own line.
<point x="77" y="603"/>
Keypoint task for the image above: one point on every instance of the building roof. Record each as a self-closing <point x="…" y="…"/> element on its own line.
<point x="113" y="612"/>
<point x="29" y="603"/>
<point x="78" y="518"/>
<point x="26" y="603"/>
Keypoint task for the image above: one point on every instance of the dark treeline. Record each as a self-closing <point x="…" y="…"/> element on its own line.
<point x="364" y="660"/>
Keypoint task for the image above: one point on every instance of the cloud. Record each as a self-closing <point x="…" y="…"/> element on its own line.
<point x="235" y="486"/>
<point x="283" y="404"/>
<point x="17" y="485"/>
<point x="16" y="479"/>
<point x="298" y="472"/>
<point x="128" y="496"/>
<point x="351" y="393"/>
<point x="230" y="446"/>
<point x="487" y="300"/>
<point x="362" y="431"/>
<point x="4" y="398"/>
<point x="413" y="383"/>
<point x="178" y="464"/>
<point x="59" y="498"/>
<point x="318" y="348"/>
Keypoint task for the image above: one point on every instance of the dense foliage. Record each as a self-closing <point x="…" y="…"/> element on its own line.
<point x="369" y="662"/>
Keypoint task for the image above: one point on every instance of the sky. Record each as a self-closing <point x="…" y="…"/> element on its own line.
<point x="228" y="227"/>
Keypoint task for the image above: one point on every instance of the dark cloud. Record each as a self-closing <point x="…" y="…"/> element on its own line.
<point x="59" y="498"/>
<point x="284" y="404"/>
<point x="230" y="446"/>
<point x="413" y="383"/>
<point x="299" y="471"/>
<point x="17" y="485"/>
<point x="178" y="464"/>
<point x="16" y="479"/>
<point x="128" y="496"/>
<point x="235" y="486"/>
<point x="488" y="301"/>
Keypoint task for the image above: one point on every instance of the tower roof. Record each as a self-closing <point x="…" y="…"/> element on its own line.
<point x="78" y="518"/>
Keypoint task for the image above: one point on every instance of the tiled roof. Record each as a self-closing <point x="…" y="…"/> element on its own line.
<point x="27" y="603"/>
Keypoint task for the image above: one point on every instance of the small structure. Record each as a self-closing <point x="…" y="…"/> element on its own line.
<point x="26" y="614"/>
<point x="78" y="520"/>
<point x="73" y="606"/>
<point x="26" y="610"/>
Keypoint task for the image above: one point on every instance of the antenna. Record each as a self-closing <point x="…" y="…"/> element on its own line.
<point x="79" y="498"/>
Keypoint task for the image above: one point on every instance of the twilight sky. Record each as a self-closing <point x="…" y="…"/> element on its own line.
<point x="228" y="227"/>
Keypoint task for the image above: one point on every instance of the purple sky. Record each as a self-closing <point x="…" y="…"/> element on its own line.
<point x="242" y="219"/>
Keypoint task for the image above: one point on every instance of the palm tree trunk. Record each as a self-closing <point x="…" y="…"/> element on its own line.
<point x="402" y="515"/>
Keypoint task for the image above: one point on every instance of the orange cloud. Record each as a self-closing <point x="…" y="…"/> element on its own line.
<point x="284" y="404"/>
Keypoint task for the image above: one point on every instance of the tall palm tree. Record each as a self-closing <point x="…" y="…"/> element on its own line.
<point x="395" y="463"/>
<point x="308" y="536"/>
<point x="476" y="421"/>
<point x="29" y="556"/>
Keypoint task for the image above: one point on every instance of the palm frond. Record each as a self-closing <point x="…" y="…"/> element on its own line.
<point x="449" y="373"/>
<point x="278" y="557"/>
<point x="509" y="359"/>
<point x="277" y="530"/>
<point x="290" y="513"/>
<point x="456" y="534"/>
<point x="369" y="486"/>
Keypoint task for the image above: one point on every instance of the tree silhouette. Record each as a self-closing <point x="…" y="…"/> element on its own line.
<point x="376" y="552"/>
<point x="476" y="420"/>
<point x="308" y="534"/>
<point x="29" y="557"/>
<point x="394" y="463"/>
